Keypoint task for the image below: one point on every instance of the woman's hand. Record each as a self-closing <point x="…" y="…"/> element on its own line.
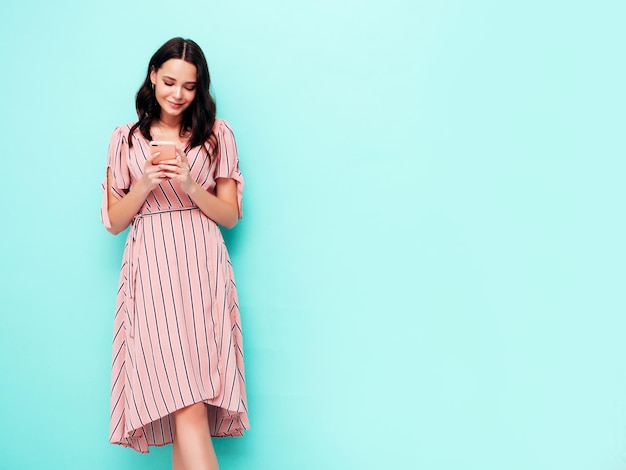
<point x="178" y="170"/>
<point x="153" y="175"/>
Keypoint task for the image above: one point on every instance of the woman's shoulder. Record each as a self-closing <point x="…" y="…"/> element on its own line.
<point x="222" y="129"/>
<point x="221" y="124"/>
<point x="124" y="128"/>
<point x="122" y="131"/>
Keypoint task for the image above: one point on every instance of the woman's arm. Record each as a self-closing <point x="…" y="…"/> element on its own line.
<point x="222" y="207"/>
<point x="122" y="211"/>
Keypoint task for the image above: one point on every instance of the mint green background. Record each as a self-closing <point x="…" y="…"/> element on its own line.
<point x="431" y="263"/>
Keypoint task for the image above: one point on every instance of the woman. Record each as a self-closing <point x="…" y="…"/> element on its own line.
<point x="178" y="374"/>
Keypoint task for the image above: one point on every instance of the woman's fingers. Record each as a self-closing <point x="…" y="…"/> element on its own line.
<point x="182" y="155"/>
<point x="153" y="174"/>
<point x="177" y="170"/>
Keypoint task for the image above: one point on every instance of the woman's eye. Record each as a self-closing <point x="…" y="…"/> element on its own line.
<point x="191" y="88"/>
<point x="167" y="84"/>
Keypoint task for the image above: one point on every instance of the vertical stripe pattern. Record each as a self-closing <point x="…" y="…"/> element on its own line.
<point x="177" y="331"/>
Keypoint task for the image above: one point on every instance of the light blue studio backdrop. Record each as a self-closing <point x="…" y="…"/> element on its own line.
<point x="431" y="263"/>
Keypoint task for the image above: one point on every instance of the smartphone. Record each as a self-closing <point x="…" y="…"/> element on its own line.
<point x="166" y="148"/>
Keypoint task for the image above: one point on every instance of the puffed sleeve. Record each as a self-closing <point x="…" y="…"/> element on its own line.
<point x="117" y="161"/>
<point x="228" y="161"/>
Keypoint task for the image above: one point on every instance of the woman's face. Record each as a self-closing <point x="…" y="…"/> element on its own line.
<point x="174" y="87"/>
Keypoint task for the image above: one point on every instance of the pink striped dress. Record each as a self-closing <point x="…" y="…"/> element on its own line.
<point x="177" y="331"/>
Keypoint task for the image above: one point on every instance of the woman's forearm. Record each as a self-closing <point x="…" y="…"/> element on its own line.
<point x="222" y="210"/>
<point x="122" y="211"/>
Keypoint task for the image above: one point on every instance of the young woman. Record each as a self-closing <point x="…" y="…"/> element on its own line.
<point x="178" y="374"/>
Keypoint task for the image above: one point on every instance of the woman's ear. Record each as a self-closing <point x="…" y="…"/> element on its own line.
<point x="153" y="75"/>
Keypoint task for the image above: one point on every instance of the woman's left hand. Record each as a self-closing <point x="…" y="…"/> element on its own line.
<point x="178" y="170"/>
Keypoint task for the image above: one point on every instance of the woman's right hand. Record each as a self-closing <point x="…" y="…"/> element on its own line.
<point x="123" y="210"/>
<point x="153" y="175"/>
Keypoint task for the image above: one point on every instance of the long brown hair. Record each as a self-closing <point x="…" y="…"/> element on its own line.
<point x="199" y="117"/>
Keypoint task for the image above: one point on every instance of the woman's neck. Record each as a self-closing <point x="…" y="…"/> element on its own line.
<point x="169" y="130"/>
<point x="169" y="124"/>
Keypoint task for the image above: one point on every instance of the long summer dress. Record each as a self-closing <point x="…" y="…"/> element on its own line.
<point x="177" y="330"/>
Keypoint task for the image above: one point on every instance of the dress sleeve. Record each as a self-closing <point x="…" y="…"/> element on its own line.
<point x="117" y="161"/>
<point x="227" y="159"/>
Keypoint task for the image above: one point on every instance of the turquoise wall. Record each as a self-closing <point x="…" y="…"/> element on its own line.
<point x="431" y="263"/>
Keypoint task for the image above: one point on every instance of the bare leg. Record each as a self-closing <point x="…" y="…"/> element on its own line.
<point x="192" y="440"/>
<point x="177" y="460"/>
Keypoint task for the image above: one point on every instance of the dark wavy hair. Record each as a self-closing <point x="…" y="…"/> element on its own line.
<point x="199" y="117"/>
